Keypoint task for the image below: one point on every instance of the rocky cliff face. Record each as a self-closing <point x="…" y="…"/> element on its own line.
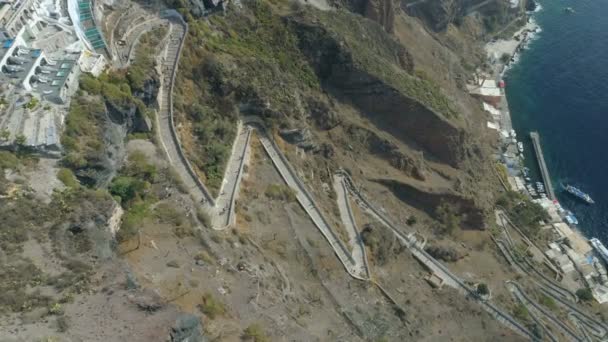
<point x="338" y="84"/>
<point x="382" y="12"/>
<point x="381" y="85"/>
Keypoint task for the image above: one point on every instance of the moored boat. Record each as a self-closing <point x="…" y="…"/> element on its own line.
<point x="578" y="194"/>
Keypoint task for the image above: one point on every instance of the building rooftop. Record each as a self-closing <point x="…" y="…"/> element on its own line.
<point x="5" y="46"/>
<point x="49" y="79"/>
<point x="19" y="64"/>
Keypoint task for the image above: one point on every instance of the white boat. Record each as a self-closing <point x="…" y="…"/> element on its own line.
<point x="520" y="147"/>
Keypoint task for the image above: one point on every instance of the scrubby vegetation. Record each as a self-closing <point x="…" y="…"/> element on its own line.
<point x="86" y="122"/>
<point x="254" y="332"/>
<point x="383" y="58"/>
<point x="131" y="188"/>
<point x="380" y="242"/>
<point x="448" y="218"/>
<point x="280" y="192"/>
<point x="59" y="223"/>
<point x="584" y="294"/>
<point x="521" y="313"/>
<point x="211" y="306"/>
<point x="448" y="254"/>
<point x="524" y="213"/>
<point x="143" y="64"/>
<point x="66" y="176"/>
<point x="547" y="301"/>
<point x="8" y="160"/>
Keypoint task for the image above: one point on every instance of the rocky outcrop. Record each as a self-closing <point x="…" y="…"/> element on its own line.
<point x="132" y="116"/>
<point x="382" y="12"/>
<point x="411" y="164"/>
<point x="438" y="14"/>
<point x="471" y="215"/>
<point x="299" y="137"/>
<point x="322" y="114"/>
<point x="445" y="253"/>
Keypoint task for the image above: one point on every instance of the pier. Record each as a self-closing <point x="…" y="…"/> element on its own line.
<point x="543" y="166"/>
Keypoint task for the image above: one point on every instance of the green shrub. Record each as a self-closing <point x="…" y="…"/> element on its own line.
<point x="212" y="307"/>
<point x="132" y="220"/>
<point x="523" y="212"/>
<point x="66" y="176"/>
<point x="90" y="84"/>
<point x="521" y="313"/>
<point x="8" y="160"/>
<point x="448" y="217"/>
<point x="584" y="294"/>
<point x="167" y="213"/>
<point x="280" y="192"/>
<point x="128" y="188"/>
<point x="547" y="301"/>
<point x="254" y="332"/>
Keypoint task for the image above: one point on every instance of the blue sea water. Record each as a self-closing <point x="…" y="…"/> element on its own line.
<point x="559" y="87"/>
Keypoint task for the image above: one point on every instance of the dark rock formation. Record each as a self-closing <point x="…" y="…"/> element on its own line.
<point x="531" y="5"/>
<point x="382" y="12"/>
<point x="448" y="254"/>
<point x="412" y="165"/>
<point x="131" y="115"/>
<point x="299" y="137"/>
<point x="324" y="117"/>
<point x="472" y="216"/>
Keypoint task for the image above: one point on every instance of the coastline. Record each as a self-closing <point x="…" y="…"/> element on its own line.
<point x="512" y="48"/>
<point x="502" y="55"/>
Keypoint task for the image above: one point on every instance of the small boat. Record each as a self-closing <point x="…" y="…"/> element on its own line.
<point x="570" y="218"/>
<point x="520" y="147"/>
<point x="569" y="10"/>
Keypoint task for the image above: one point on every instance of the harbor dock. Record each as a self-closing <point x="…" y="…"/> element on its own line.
<point x="541" y="163"/>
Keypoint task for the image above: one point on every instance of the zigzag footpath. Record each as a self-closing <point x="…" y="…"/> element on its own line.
<point x="356" y="267"/>
<point x="175" y="153"/>
<point x="546" y="281"/>
<point x="549" y="287"/>
<point x="307" y="202"/>
<point x="532" y="305"/>
<point x="435" y="266"/>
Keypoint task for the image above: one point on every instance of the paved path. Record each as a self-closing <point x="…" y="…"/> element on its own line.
<point x="562" y="296"/>
<point x="347" y="217"/>
<point x="224" y="204"/>
<point x="165" y="124"/>
<point x="307" y="202"/>
<point x="532" y="306"/>
<point x="435" y="266"/>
